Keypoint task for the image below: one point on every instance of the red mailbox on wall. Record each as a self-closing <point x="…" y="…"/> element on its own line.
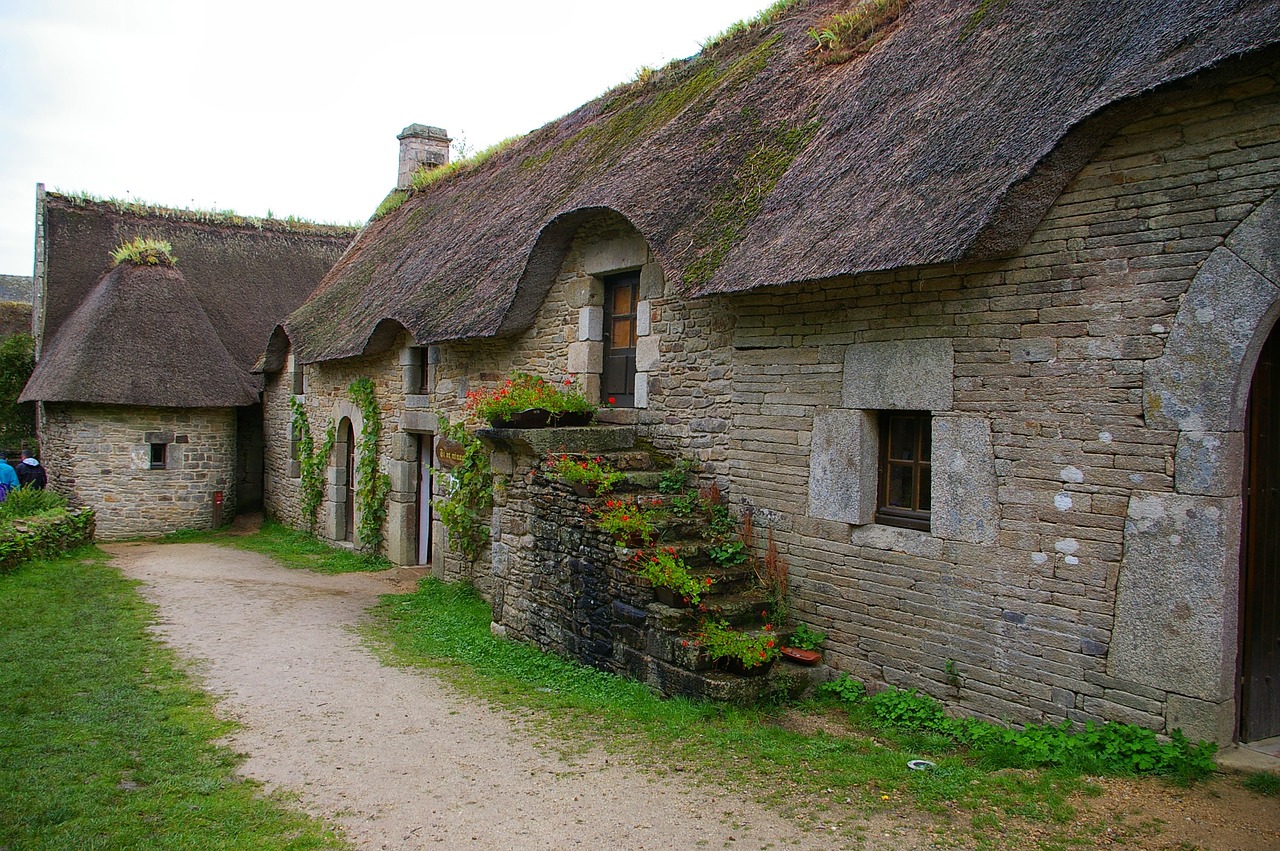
<point x="217" y="509"/>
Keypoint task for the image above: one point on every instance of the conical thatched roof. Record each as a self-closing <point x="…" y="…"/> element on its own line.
<point x="140" y="338"/>
<point x="751" y="165"/>
<point x="242" y="278"/>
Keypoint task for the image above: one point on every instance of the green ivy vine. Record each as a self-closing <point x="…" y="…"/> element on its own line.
<point x="372" y="485"/>
<point x="469" y="493"/>
<point x="310" y="460"/>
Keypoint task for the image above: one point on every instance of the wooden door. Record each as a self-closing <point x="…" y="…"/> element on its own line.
<point x="349" y="496"/>
<point x="425" y="465"/>
<point x="1260" y="588"/>
<point x="621" y="294"/>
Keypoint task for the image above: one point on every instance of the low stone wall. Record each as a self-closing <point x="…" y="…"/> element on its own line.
<point x="44" y="537"/>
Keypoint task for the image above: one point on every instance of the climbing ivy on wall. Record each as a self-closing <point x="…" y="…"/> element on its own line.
<point x="310" y="460"/>
<point x="469" y="493"/>
<point x="372" y="485"/>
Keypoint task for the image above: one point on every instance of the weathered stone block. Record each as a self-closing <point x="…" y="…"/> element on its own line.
<point x="582" y="291"/>
<point x="965" y="504"/>
<point x="590" y="323"/>
<point x="614" y="255"/>
<point x="899" y="375"/>
<point x="585" y="357"/>
<point x="648" y="354"/>
<point x="1256" y="240"/>
<point x="652" y="281"/>
<point x="1198" y="384"/>
<point x="644" y="318"/>
<point x="1201" y="719"/>
<point x="1176" y="597"/>
<point x="1209" y="463"/>
<point x="842" y="466"/>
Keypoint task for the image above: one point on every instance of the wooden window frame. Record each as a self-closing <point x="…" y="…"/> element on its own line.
<point x="918" y="515"/>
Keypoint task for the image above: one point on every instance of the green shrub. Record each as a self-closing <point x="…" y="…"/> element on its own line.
<point x="24" y="502"/>
<point x="44" y="536"/>
<point x="1108" y="748"/>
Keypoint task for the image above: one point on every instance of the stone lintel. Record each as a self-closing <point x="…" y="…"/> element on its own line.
<point x="899" y="375"/>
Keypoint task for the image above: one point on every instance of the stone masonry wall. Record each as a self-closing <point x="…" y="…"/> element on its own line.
<point x="99" y="456"/>
<point x="281" y="491"/>
<point x="1049" y="349"/>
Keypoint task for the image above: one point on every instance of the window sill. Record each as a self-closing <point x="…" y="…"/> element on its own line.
<point x="897" y="539"/>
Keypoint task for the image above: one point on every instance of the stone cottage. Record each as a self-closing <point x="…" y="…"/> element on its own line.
<point x="974" y="314"/>
<point x="149" y="411"/>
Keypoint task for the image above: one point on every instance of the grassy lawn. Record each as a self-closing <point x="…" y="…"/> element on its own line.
<point x="288" y="547"/>
<point x="104" y="743"/>
<point x="808" y="759"/>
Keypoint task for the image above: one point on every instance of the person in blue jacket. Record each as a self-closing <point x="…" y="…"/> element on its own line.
<point x="8" y="478"/>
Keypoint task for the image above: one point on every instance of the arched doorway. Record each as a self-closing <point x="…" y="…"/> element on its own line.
<point x="1260" y="561"/>
<point x="346" y="449"/>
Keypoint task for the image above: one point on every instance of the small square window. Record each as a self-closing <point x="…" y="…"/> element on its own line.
<point x="904" y="494"/>
<point x="159" y="455"/>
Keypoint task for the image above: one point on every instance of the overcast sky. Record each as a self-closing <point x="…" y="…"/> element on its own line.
<point x="294" y="107"/>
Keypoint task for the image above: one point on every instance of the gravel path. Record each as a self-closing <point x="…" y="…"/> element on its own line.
<point x="393" y="757"/>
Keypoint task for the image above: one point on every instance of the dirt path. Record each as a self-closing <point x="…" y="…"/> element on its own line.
<point x="396" y="759"/>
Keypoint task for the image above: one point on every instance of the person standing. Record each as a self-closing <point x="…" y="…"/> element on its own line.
<point x="31" y="473"/>
<point x="8" y="478"/>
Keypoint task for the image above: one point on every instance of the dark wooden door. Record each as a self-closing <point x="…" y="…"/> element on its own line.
<point x="618" y="384"/>
<point x="349" y="500"/>
<point x="1260" y="592"/>
<point x="425" y="468"/>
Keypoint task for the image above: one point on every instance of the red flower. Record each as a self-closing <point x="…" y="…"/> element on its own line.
<point x="611" y="400"/>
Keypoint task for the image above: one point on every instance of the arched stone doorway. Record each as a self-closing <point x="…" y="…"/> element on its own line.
<point x="345" y="450"/>
<point x="1260" y="564"/>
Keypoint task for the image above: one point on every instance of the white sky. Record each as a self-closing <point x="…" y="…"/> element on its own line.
<point x="293" y="107"/>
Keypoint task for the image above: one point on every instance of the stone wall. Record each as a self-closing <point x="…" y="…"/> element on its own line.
<point x="100" y="456"/>
<point x="1072" y="431"/>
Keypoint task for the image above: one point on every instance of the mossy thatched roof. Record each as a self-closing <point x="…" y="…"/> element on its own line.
<point x="752" y="165"/>
<point x="184" y="338"/>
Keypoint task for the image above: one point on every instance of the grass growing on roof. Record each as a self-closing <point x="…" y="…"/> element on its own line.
<point x="764" y="18"/>
<point x="844" y="35"/>
<point x="105" y="743"/>
<point x="144" y="251"/>
<point x="217" y="217"/>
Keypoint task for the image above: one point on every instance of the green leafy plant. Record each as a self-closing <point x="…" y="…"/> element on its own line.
<point x="577" y="470"/>
<point x="628" y="520"/>
<point x="806" y="638"/>
<point x="684" y="505"/>
<point x="24" y="502"/>
<point x="468" y="492"/>
<point x="1108" y="748"/>
<point x="311" y="460"/>
<point x="675" y="479"/>
<point x="721" y="641"/>
<point x="43" y="534"/>
<point x="663" y="568"/>
<point x="144" y="251"/>
<point x="372" y="485"/>
<point x="728" y="553"/>
<point x="522" y="392"/>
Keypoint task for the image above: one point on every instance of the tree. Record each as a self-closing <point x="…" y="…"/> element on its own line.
<point x="17" y="421"/>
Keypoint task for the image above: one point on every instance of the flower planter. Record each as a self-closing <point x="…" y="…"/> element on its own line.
<point x="528" y="418"/>
<point x="734" y="665"/>
<point x="800" y="656"/>
<point x="669" y="597"/>
<point x="583" y="489"/>
<point x="571" y="419"/>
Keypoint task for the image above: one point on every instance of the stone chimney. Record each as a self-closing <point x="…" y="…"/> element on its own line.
<point x="421" y="145"/>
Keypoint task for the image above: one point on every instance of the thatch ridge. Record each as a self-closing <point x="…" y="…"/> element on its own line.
<point x="751" y="166"/>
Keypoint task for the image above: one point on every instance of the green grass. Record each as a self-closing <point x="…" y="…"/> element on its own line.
<point x="103" y="741"/>
<point x="779" y="754"/>
<point x="289" y="547"/>
<point x="1263" y="782"/>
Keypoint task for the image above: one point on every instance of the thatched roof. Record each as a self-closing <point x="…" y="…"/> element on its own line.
<point x="141" y="338"/>
<point x="750" y="165"/>
<point x="123" y="339"/>
<point x="15" y="288"/>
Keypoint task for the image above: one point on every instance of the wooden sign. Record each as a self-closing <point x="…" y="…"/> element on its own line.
<point x="449" y="453"/>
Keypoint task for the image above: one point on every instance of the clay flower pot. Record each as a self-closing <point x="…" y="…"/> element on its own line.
<point x="800" y="656"/>
<point x="528" y="418"/>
